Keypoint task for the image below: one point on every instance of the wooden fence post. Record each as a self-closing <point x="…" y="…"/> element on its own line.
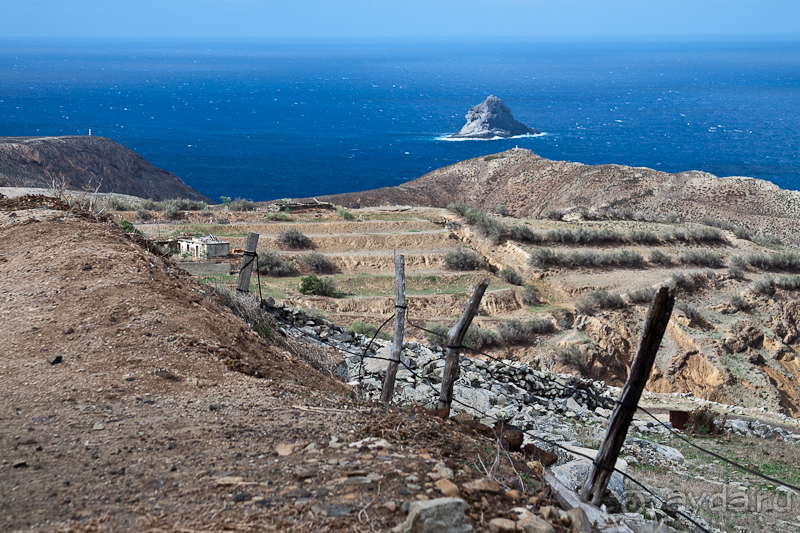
<point x="399" y="322"/>
<point x="657" y="319"/>
<point x="454" y="338"/>
<point x="248" y="259"/>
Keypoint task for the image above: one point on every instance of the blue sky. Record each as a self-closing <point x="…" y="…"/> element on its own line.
<point x="609" y="19"/>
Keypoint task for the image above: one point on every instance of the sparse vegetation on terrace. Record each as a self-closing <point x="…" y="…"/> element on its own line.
<point x="512" y="276"/>
<point x="778" y="261"/>
<point x="544" y="257"/>
<point x="293" y="239"/>
<point x="271" y="264"/>
<point x="599" y="300"/>
<point x="705" y="258"/>
<point x="318" y="286"/>
<point x="369" y="331"/>
<point x="486" y="224"/>
<point x="319" y="264"/>
<point x="462" y="259"/>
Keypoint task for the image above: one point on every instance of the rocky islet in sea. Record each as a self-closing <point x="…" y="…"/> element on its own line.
<point x="489" y="119"/>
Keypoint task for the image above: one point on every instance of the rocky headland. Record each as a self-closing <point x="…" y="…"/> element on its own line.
<point x="82" y="163"/>
<point x="489" y="119"/>
<point x="524" y="184"/>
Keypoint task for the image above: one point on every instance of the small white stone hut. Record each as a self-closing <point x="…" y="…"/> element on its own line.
<point x="207" y="247"/>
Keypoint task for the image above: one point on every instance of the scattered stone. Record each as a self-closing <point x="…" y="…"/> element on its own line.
<point x="214" y="407"/>
<point x="448" y="488"/>
<point x="530" y="523"/>
<point x="502" y="525"/>
<point x="332" y="509"/>
<point x="442" y="515"/>
<point x="53" y="359"/>
<point x="284" y="450"/>
<point x="228" y="480"/>
<point x="20" y="464"/>
<point x="580" y="522"/>
<point x="440" y="471"/>
<point x="483" y="485"/>
<point x="306" y="473"/>
<point x="98" y="426"/>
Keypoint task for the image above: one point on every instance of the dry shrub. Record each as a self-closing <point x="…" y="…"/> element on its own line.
<point x="293" y="239"/>
<point x="704" y="421"/>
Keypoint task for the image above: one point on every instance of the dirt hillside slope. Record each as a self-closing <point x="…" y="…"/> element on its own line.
<point x="164" y="412"/>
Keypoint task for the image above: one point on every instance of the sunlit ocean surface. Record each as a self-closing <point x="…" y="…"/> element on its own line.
<point x="266" y="120"/>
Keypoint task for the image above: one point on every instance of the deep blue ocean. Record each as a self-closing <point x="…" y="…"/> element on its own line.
<point x="267" y="120"/>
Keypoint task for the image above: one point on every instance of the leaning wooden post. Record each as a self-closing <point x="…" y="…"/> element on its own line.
<point x="248" y="259"/>
<point x="399" y="322"/>
<point x="454" y="338"/>
<point x="657" y="319"/>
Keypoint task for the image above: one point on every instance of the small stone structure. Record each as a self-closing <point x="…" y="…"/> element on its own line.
<point x="207" y="246"/>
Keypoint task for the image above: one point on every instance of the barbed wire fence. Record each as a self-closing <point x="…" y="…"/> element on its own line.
<point x="600" y="400"/>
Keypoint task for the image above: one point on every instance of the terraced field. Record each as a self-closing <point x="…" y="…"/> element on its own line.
<point x="580" y="298"/>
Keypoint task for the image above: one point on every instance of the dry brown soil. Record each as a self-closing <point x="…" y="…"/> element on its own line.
<point x="164" y="412"/>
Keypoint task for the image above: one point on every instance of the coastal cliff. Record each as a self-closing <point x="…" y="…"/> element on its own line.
<point x="83" y="163"/>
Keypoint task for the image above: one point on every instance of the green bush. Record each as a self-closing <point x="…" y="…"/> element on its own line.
<point x="462" y="259"/>
<point x="487" y="225"/>
<point x="626" y="257"/>
<point x="739" y="303"/>
<point x="521" y="331"/>
<point x="741" y="233"/>
<point x="658" y="257"/>
<point x="293" y="239"/>
<point x="530" y="296"/>
<point x="768" y="240"/>
<point x="477" y="337"/>
<point x="143" y="214"/>
<point x="279" y="217"/>
<point x="584" y="236"/>
<point x="642" y="296"/>
<point x="319" y="264"/>
<point x="542" y="257"/>
<point x="345" y="214"/>
<point x="688" y="282"/>
<point x="271" y="264"/>
<point x="736" y="272"/>
<point x="598" y="300"/>
<point x="512" y="276"/>
<point x="704" y="258"/>
<point x="369" y="331"/>
<point x="643" y="237"/>
<point x="720" y="224"/>
<point x="574" y="356"/>
<point x="554" y="214"/>
<point x="788" y="283"/>
<point x="127" y="227"/>
<point x="318" y="286"/>
<point x="436" y="334"/>
<point x="691" y="312"/>
<point x="242" y="205"/>
<point x="524" y="234"/>
<point x="116" y="204"/>
<point x="765" y="285"/>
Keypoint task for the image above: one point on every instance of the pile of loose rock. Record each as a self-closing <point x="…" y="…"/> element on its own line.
<point x="569" y="411"/>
